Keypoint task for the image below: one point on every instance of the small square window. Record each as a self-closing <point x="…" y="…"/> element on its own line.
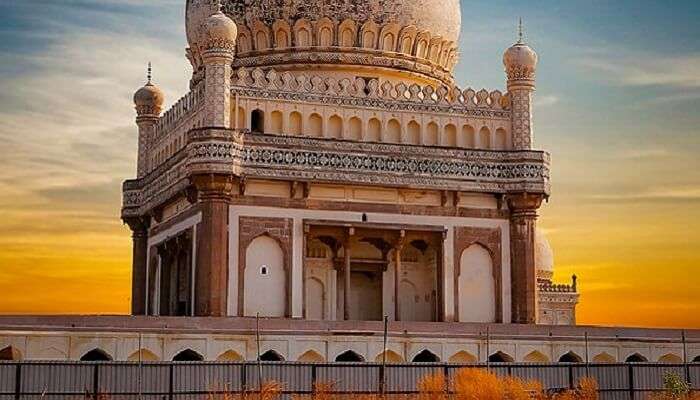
<point x="264" y="270"/>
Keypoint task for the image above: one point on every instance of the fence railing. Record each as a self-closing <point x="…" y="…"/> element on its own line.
<point x="171" y="381"/>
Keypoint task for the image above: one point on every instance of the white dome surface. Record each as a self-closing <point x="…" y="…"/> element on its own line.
<point x="544" y="256"/>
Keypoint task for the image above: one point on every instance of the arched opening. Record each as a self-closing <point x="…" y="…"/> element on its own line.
<point x="315" y="299"/>
<point x="391" y="357"/>
<point x="426" y="356"/>
<point x="271" y="356"/>
<point x="295" y="123"/>
<point x="388" y="42"/>
<point x="393" y="132"/>
<point x="670" y="358"/>
<point x="355" y="129"/>
<point x="463" y="357"/>
<point x="96" y="355"/>
<point x="570" y="357"/>
<point x="347" y="38"/>
<point x="257" y="121"/>
<point x="468" y="139"/>
<point x="303" y="37"/>
<point x="281" y="39"/>
<point x="188" y="355"/>
<point x="431" y="134"/>
<point x="9" y="353"/>
<point x="696" y="359"/>
<point x="349" y="356"/>
<point x="229" y="356"/>
<point x="325" y="37"/>
<point x="264" y="273"/>
<point x="484" y="138"/>
<point x="311" y="356"/>
<point x="450" y="137"/>
<point x="477" y="286"/>
<point x="261" y="41"/>
<point x="374" y="129"/>
<point x="500" y="357"/>
<point x="603" y="358"/>
<point x="502" y="139"/>
<point x="368" y="40"/>
<point x="276" y="122"/>
<point x="536" y="357"/>
<point x="335" y="127"/>
<point x="413" y="133"/>
<point x="315" y="125"/>
<point x="636" y="358"/>
<point x="143" y="355"/>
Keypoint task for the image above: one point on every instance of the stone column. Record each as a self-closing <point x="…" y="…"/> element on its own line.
<point x="523" y="219"/>
<point x="217" y="108"/>
<point x="397" y="276"/>
<point x="139" y="228"/>
<point x="347" y="275"/>
<point x="211" y="291"/>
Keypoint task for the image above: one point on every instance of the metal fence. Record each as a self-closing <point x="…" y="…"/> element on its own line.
<point x="180" y="381"/>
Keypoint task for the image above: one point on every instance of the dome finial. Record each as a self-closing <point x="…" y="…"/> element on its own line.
<point x="150" y="71"/>
<point x="520" y="30"/>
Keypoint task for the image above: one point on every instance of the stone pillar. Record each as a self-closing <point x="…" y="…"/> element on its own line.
<point x="347" y="275"/>
<point x="139" y="229"/>
<point x="520" y="62"/>
<point x="211" y="291"/>
<point x="397" y="276"/>
<point x="523" y="218"/>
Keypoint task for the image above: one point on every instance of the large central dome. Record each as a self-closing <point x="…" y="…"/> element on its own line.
<point x="415" y="37"/>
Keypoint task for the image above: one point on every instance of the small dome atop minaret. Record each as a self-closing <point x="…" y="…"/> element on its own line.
<point x="520" y="59"/>
<point x="220" y="28"/>
<point x="149" y="99"/>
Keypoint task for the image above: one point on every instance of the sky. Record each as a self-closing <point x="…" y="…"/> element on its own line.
<point x="617" y="105"/>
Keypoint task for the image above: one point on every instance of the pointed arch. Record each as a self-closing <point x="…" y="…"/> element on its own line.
<point x="311" y="356"/>
<point x="369" y="33"/>
<point x="315" y="300"/>
<point x="257" y="121"/>
<point x="484" y="138"/>
<point x="335" y="127"/>
<point x="636" y="358"/>
<point x="422" y="43"/>
<point x="271" y="356"/>
<point x="374" y="130"/>
<point x="696" y="359"/>
<point x="296" y="125"/>
<point x="671" y="358"/>
<point x="265" y="273"/>
<point x="463" y="357"/>
<point x="244" y="39"/>
<point x="230" y="356"/>
<point x="347" y="33"/>
<point x="426" y="356"/>
<point x="261" y="33"/>
<point x="355" y="129"/>
<point x="315" y="126"/>
<point x="349" y="356"/>
<point x="302" y="33"/>
<point x="406" y="40"/>
<point x="10" y="353"/>
<point x="388" y="36"/>
<point x="143" y="355"/>
<point x="188" y="355"/>
<point x="477" y="285"/>
<point x="393" y="131"/>
<point x="392" y="357"/>
<point x="570" y="357"/>
<point x="324" y="32"/>
<point x="431" y="134"/>
<point x="450" y="136"/>
<point x="536" y="357"/>
<point x="604" y="358"/>
<point x="500" y="357"/>
<point x="468" y="138"/>
<point x="283" y="33"/>
<point x="276" y="122"/>
<point x="413" y="133"/>
<point x="97" y="355"/>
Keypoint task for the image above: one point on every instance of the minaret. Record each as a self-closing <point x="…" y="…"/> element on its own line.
<point x="520" y="62"/>
<point x="219" y="39"/>
<point x="149" y="103"/>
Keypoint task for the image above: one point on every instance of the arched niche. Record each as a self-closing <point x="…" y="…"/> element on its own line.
<point x="257" y="121"/>
<point x="296" y="125"/>
<point x="335" y="127"/>
<point x="463" y="357"/>
<point x="413" y="133"/>
<point x="355" y="129"/>
<point x="265" y="279"/>
<point x="315" y="125"/>
<point x="10" y="353"/>
<point x="477" y="285"/>
<point x="96" y="355"/>
<point x="426" y="356"/>
<point x="570" y="357"/>
<point x="636" y="358"/>
<point x="696" y="359"/>
<point x="349" y="356"/>
<point x="374" y="130"/>
<point x="311" y="356"/>
<point x="392" y="357"/>
<point x="536" y="357"/>
<point x="271" y="356"/>
<point x="143" y="355"/>
<point x="670" y="358"/>
<point x="604" y="358"/>
<point x="500" y="357"/>
<point x="485" y="138"/>
<point x="230" y="356"/>
<point x="315" y="292"/>
<point x="393" y="131"/>
<point x="502" y="139"/>
<point x="450" y="136"/>
<point x="188" y="355"/>
<point x="276" y="122"/>
<point x="431" y="134"/>
<point x="468" y="138"/>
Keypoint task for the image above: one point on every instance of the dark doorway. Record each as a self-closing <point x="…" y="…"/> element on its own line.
<point x="696" y="359"/>
<point x="188" y="355"/>
<point x="96" y="355"/>
<point x="500" y="357"/>
<point x="570" y="357"/>
<point x="636" y="358"/>
<point x="271" y="356"/>
<point x="349" y="356"/>
<point x="257" y="121"/>
<point x="176" y="276"/>
<point x="426" y="356"/>
<point x="9" y="354"/>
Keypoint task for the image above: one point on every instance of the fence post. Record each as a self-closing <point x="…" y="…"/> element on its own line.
<point x="244" y="377"/>
<point x="96" y="382"/>
<point x="314" y="378"/>
<point x="571" y="376"/>
<point x="18" y="381"/>
<point x="171" y="381"/>
<point x="447" y="379"/>
<point x="630" y="373"/>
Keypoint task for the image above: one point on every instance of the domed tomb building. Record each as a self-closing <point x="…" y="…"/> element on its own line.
<point x="325" y="166"/>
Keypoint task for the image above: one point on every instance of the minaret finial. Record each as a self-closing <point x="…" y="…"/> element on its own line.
<point x="520" y="30"/>
<point x="150" y="72"/>
<point x="218" y="5"/>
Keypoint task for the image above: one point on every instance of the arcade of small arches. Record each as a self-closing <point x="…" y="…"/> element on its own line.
<point x="10" y="353"/>
<point x="387" y="130"/>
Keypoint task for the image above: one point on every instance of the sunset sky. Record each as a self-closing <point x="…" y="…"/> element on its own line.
<point x="617" y="105"/>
